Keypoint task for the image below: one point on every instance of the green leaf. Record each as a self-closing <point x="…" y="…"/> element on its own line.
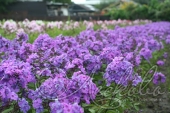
<point x="8" y="110"/>
<point x="31" y="85"/>
<point x="136" y="107"/>
<point x="46" y="111"/>
<point x="92" y="110"/>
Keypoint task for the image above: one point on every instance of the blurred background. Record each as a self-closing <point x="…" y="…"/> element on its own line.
<point x="154" y="10"/>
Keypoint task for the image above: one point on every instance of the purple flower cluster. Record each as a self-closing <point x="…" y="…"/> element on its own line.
<point x="121" y="72"/>
<point x="16" y="73"/>
<point x="61" y="68"/>
<point x="24" y="105"/>
<point x="79" y="87"/>
<point x="159" y="78"/>
<point x="61" y="107"/>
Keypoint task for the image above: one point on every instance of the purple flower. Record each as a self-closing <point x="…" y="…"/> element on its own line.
<point x="4" y="44"/>
<point x="25" y="51"/>
<point x="53" y="88"/>
<point x="77" y="109"/>
<point x="129" y="56"/>
<point x="96" y="46"/>
<point x="16" y="72"/>
<point x="92" y="64"/>
<point x="136" y="79"/>
<point x="43" y="42"/>
<point x="59" y="61"/>
<point x="108" y="54"/>
<point x="24" y="106"/>
<point x="153" y="45"/>
<point x="167" y="39"/>
<point x="120" y="71"/>
<point x="56" y="107"/>
<point x="138" y="60"/>
<point x="7" y="93"/>
<point x="61" y="107"/>
<point x="37" y="104"/>
<point x="146" y="53"/>
<point x="160" y="62"/>
<point x="158" y="77"/>
<point x="165" y="55"/>
<point x="13" y="96"/>
<point x="32" y="57"/>
<point x="21" y="37"/>
<point x="83" y="85"/>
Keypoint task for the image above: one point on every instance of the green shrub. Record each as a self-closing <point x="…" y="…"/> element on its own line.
<point x="140" y="12"/>
<point x="119" y="14"/>
<point x="153" y="10"/>
<point x="164" y="11"/>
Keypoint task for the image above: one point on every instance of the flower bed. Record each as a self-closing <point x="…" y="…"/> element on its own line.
<point x="95" y="70"/>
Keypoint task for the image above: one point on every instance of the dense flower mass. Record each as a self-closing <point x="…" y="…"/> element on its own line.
<point x="121" y="71"/>
<point x="38" y="26"/>
<point x="61" y="73"/>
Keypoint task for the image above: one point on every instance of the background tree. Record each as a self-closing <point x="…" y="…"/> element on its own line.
<point x="61" y="1"/>
<point x="4" y="4"/>
<point x="105" y="3"/>
<point x="146" y="1"/>
<point x="142" y="1"/>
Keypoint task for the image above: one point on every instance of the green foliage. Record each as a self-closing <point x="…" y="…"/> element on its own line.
<point x="4" y="4"/>
<point x="119" y="14"/>
<point x="164" y="11"/>
<point x="61" y="1"/>
<point x="122" y="10"/>
<point x="140" y="12"/>
<point x="142" y="1"/>
<point x="146" y="2"/>
<point x="8" y="110"/>
<point x="105" y="3"/>
<point x="147" y="9"/>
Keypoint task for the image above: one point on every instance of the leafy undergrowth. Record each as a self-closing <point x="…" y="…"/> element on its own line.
<point x="158" y="100"/>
